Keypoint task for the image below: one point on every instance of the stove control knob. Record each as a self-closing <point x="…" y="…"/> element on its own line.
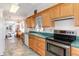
<point x="72" y="32"/>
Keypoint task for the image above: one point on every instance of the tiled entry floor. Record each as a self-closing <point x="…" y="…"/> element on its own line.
<point x="14" y="49"/>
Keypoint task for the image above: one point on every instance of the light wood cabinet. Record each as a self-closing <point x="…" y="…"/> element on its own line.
<point x="30" y="22"/>
<point x="31" y="40"/>
<point x="58" y="11"/>
<point x="55" y="12"/>
<point x="74" y="51"/>
<point x="76" y="13"/>
<point x="41" y="46"/>
<point x="47" y="16"/>
<point x="37" y="44"/>
<point x="46" y="20"/>
<point x="66" y="9"/>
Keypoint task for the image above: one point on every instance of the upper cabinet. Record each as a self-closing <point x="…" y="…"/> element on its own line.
<point x="30" y="22"/>
<point x="46" y="22"/>
<point x="55" y="12"/>
<point x="66" y="9"/>
<point x="76" y="13"/>
<point x="62" y="10"/>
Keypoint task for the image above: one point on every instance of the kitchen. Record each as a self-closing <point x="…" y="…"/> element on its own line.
<point x="57" y="31"/>
<point x="53" y="31"/>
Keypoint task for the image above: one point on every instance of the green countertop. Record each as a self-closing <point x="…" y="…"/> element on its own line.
<point x="39" y="35"/>
<point x="42" y="34"/>
<point x="75" y="43"/>
<point x="45" y="35"/>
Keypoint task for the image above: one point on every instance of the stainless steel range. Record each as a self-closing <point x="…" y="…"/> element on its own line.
<point x="60" y="43"/>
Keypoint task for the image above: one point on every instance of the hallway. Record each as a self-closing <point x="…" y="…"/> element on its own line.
<point x="14" y="49"/>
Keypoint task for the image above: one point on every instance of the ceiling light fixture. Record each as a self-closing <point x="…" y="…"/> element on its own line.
<point x="14" y="8"/>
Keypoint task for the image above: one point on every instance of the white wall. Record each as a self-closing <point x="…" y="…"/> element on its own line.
<point x="2" y="33"/>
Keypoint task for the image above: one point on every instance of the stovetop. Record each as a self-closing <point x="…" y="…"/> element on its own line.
<point x="60" y="41"/>
<point x="63" y="36"/>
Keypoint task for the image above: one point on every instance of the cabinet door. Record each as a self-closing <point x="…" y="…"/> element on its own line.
<point x="76" y="13"/>
<point x="37" y="44"/>
<point x="55" y="11"/>
<point x="41" y="46"/>
<point x="31" y="42"/>
<point x="66" y="9"/>
<point x="30" y="22"/>
<point x="74" y="51"/>
<point x="46" y="20"/>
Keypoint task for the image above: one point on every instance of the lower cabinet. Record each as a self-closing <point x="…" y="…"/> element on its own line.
<point x="74" y="51"/>
<point x="37" y="44"/>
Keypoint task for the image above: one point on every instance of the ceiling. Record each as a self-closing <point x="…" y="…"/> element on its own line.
<point x="25" y="10"/>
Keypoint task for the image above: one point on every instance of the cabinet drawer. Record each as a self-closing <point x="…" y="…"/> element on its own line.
<point x="41" y="45"/>
<point x="75" y="51"/>
<point x="41" y="52"/>
<point x="31" y="44"/>
<point x="37" y="44"/>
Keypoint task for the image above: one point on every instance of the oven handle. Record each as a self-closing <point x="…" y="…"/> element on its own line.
<point x="58" y="44"/>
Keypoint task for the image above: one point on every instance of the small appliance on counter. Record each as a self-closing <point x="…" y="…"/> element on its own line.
<point x="60" y="43"/>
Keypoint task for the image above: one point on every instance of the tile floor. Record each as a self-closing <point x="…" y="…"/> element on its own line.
<point x="14" y="49"/>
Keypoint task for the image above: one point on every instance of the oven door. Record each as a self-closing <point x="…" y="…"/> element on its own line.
<point x="57" y="49"/>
